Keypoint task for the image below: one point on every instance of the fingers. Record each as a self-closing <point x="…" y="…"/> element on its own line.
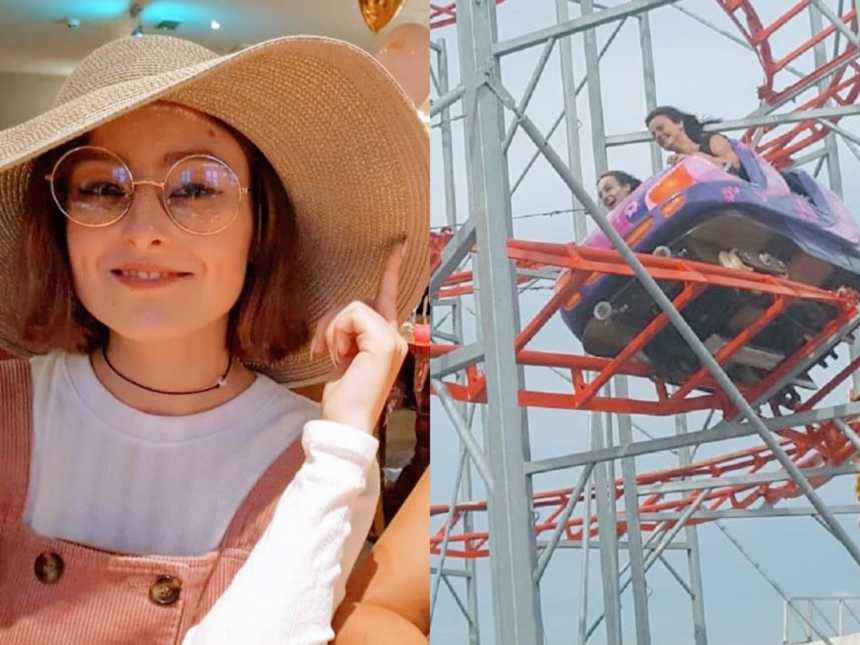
<point x="318" y="344"/>
<point x="385" y="303"/>
<point x="352" y="329"/>
<point x="389" y="284"/>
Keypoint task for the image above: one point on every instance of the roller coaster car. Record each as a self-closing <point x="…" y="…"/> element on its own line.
<point x="784" y="224"/>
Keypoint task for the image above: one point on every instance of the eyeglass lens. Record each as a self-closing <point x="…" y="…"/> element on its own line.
<point x="94" y="187"/>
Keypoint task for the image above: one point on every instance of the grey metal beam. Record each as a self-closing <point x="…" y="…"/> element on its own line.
<point x="582" y="622"/>
<point x="748" y="122"/>
<point x="447" y="143"/>
<point x="456" y="360"/>
<point x="658" y="550"/>
<point x="456" y="313"/>
<point x="836" y="22"/>
<point x="742" y="480"/>
<point x="750" y="513"/>
<point x="694" y="562"/>
<point x="446" y="100"/>
<point x="595" y="92"/>
<point x="834" y="170"/>
<point x="812" y="156"/>
<point x="440" y="568"/>
<point x="608" y="539"/>
<point x="569" y="113"/>
<point x="631" y="506"/>
<point x="561" y="522"/>
<point x="530" y="89"/>
<point x="463" y="609"/>
<point x="443" y="335"/>
<point x="604" y="476"/>
<point x="648" y="545"/>
<point x="770" y="581"/>
<point x="650" y="82"/>
<point x="595" y="545"/>
<point x="516" y="612"/>
<point x="631" y="8"/>
<point x="561" y="117"/>
<point x="457" y="248"/>
<point x="678" y="578"/>
<point x="721" y="431"/>
<point x="450" y="573"/>
<point x="462" y="429"/>
<point x="845" y="429"/>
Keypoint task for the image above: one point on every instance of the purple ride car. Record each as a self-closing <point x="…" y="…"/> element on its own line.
<point x="779" y="223"/>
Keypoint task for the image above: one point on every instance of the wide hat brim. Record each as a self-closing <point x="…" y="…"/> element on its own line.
<point x="338" y="130"/>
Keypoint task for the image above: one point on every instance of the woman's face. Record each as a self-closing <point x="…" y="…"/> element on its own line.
<point x="199" y="277"/>
<point x="611" y="191"/>
<point x="668" y="134"/>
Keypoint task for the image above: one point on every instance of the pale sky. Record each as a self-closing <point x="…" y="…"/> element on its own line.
<point x="704" y="73"/>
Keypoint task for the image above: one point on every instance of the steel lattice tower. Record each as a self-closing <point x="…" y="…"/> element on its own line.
<point x="482" y="373"/>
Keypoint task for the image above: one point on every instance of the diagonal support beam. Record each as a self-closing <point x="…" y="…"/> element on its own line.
<point x="720" y="432"/>
<point x="576" y="25"/>
<point x="456" y="249"/>
<point x="469" y="443"/>
<point x="457" y="360"/>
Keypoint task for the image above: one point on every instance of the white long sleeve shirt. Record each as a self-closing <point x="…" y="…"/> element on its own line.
<point x="115" y="478"/>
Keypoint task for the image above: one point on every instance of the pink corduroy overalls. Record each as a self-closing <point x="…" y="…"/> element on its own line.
<point x="55" y="591"/>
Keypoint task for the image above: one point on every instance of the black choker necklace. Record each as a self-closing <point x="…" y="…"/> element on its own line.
<point x="222" y="380"/>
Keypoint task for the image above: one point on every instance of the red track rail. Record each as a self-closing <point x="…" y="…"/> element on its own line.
<point x="698" y="392"/>
<point x="814" y="446"/>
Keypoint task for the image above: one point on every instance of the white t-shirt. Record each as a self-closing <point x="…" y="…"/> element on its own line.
<point x="115" y="478"/>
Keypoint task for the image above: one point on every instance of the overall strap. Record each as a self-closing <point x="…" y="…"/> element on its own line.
<point x="16" y="429"/>
<point x="257" y="509"/>
<point x="248" y="524"/>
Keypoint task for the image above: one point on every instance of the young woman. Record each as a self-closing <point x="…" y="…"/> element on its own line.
<point x="614" y="185"/>
<point x="181" y="235"/>
<point x="682" y="134"/>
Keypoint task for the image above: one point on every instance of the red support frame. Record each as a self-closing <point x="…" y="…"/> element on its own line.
<point x="584" y="264"/>
<point x="818" y="445"/>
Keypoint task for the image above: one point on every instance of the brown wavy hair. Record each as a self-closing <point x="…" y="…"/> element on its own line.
<point x="264" y="325"/>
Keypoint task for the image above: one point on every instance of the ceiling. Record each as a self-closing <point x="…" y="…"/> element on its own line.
<point x="36" y="39"/>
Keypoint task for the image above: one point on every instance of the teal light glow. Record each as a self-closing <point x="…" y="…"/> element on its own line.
<point x="84" y="10"/>
<point x="184" y="13"/>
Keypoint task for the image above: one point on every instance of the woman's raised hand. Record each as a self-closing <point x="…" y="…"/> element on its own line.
<point x="366" y="350"/>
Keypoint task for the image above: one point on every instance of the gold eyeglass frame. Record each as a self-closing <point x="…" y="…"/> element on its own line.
<point x="243" y="190"/>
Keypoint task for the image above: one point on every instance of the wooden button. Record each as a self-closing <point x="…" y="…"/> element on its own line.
<point x="165" y="590"/>
<point x="49" y="568"/>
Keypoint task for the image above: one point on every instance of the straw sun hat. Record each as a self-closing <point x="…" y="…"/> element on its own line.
<point x="340" y="133"/>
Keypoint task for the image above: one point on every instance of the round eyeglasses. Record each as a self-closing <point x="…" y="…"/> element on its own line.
<point x="93" y="187"/>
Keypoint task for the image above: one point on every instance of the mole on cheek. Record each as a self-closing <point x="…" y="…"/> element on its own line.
<point x="211" y="133"/>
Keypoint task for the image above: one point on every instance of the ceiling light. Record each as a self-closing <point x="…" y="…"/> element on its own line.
<point x="215" y="25"/>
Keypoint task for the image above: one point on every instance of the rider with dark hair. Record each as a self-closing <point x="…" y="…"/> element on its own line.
<point x="614" y="185"/>
<point x="683" y="134"/>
